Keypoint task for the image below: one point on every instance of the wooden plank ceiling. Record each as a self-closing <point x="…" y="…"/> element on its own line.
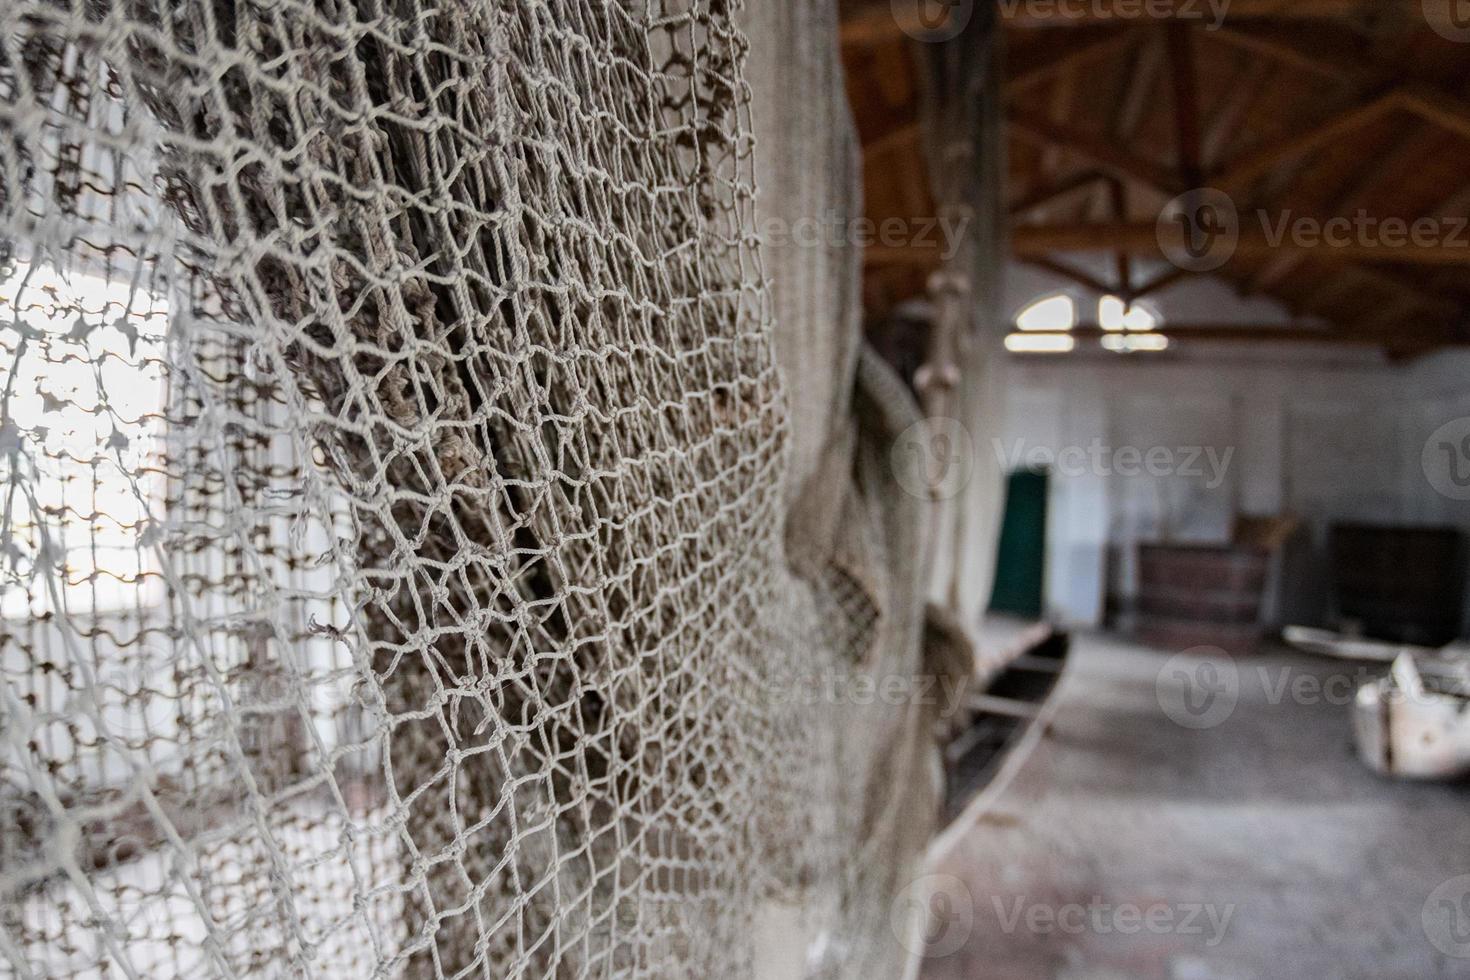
<point x="1295" y="108"/>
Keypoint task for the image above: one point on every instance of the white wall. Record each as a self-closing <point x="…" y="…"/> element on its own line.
<point x="1326" y="433"/>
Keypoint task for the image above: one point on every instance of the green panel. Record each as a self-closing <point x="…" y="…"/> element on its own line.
<point x="1020" y="558"/>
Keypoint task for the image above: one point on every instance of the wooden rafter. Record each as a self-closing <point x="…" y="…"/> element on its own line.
<point x="1143" y="239"/>
<point x="1133" y="105"/>
<point x="1071" y="274"/>
<point x="1241" y="172"/>
<point x="1051" y="193"/>
<point x="1440" y="108"/>
<point x="871" y="22"/>
<point x="1122" y="261"/>
<point x="1059" y="112"/>
<point x="1428" y="302"/>
<point x="1058" y="58"/>
<point x="1188" y="156"/>
<point x="1060" y="15"/>
<point x="1443" y="109"/>
<point x="1355" y="195"/>
<point x="1326" y="59"/>
<point x="1225" y="122"/>
<point x="1097" y="151"/>
<point x="1142" y="77"/>
<point x="1276" y="43"/>
<point x="1158" y="283"/>
<point x="1430" y="104"/>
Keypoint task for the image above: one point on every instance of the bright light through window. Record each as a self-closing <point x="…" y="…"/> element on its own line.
<point x="1128" y="343"/>
<point x="1040" y="343"/>
<point x="1055" y="313"/>
<point x="1113" y="314"/>
<point x="83" y="403"/>
<point x="1045" y="327"/>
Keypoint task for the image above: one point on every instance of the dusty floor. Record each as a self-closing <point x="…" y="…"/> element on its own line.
<point x="1135" y="848"/>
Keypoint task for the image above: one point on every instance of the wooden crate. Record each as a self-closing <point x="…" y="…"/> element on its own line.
<point x="1191" y="595"/>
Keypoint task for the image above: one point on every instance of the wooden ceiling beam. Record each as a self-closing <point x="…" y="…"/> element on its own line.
<point x="1158" y="283"/>
<point x="1186" y="102"/>
<point x="1240" y="172"/>
<point x="925" y="258"/>
<point x="1332" y="62"/>
<point x="1140" y="80"/>
<point x="1437" y="107"/>
<point x="1434" y="105"/>
<point x="1063" y="14"/>
<point x="1115" y="160"/>
<point x="1059" y="57"/>
<point x="1059" y="112"/>
<point x="1357" y="194"/>
<point x="1098" y="151"/>
<point x="1243" y="93"/>
<point x="1360" y="71"/>
<point x="1411" y="290"/>
<point x="1122" y="261"/>
<point x="1064" y="271"/>
<point x="870" y="22"/>
<point x="1143" y="239"/>
<point x="1052" y="193"/>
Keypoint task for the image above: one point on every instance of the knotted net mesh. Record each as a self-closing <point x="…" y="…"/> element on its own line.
<point x="394" y="454"/>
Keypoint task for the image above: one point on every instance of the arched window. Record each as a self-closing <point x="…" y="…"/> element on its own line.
<point x="1051" y="313"/>
<point x="1043" y="325"/>
<point x="1046" y="325"/>
<point x="1130" y="327"/>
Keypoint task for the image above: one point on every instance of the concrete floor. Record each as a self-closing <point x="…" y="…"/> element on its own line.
<point x="1134" y="848"/>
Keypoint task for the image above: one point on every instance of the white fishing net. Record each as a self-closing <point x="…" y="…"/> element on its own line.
<point x="405" y="573"/>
